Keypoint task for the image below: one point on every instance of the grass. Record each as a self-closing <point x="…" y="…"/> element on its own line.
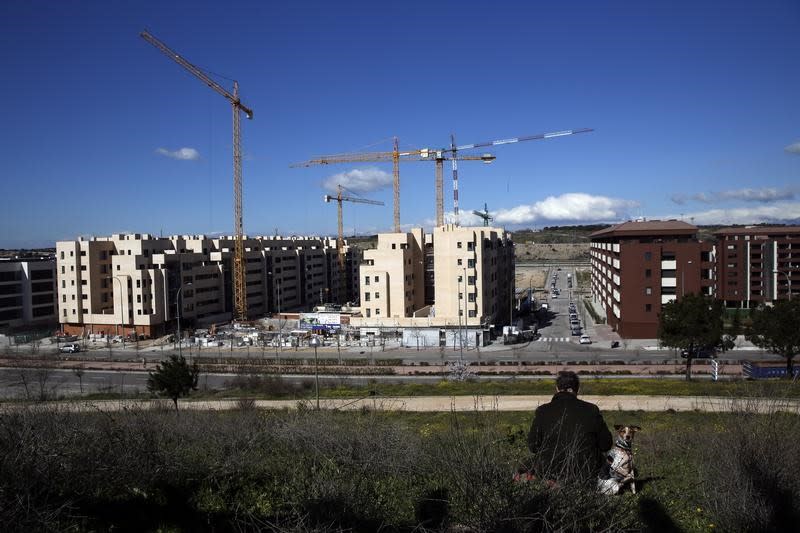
<point x="357" y="470"/>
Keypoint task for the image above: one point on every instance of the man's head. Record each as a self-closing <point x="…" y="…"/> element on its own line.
<point x="567" y="381"/>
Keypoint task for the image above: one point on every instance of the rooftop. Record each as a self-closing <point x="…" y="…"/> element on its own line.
<point x="647" y="227"/>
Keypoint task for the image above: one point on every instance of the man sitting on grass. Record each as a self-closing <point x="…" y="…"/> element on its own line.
<point x="568" y="436"/>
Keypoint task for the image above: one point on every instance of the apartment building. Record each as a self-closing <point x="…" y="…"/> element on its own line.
<point x="454" y="279"/>
<point x="132" y="283"/>
<point x="27" y="294"/>
<point x="638" y="266"/>
<point x="757" y="264"/>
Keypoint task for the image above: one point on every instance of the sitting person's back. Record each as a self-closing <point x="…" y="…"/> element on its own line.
<point x="568" y="436"/>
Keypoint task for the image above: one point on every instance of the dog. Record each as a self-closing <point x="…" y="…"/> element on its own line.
<point x="619" y="472"/>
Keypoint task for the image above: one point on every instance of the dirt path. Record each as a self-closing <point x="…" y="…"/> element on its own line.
<point x="453" y="403"/>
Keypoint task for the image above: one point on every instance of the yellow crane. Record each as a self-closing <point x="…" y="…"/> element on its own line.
<point x="239" y="293"/>
<point x="339" y="198"/>
<point x="395" y="156"/>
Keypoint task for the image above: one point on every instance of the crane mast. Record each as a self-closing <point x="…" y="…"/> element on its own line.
<point x="339" y="198"/>
<point x="239" y="292"/>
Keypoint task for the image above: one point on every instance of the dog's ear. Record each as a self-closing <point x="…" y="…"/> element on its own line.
<point x="618" y="426"/>
<point x="636" y="428"/>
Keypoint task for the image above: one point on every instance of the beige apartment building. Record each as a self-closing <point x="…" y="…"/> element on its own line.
<point x="27" y="294"/>
<point x="132" y="283"/>
<point x="454" y="281"/>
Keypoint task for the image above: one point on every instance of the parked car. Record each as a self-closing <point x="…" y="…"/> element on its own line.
<point x="586" y="339"/>
<point x="701" y="353"/>
<point x="70" y="348"/>
<point x="576" y="331"/>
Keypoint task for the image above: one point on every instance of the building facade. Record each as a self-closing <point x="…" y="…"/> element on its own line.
<point x="455" y="277"/>
<point x="638" y="266"/>
<point x="757" y="264"/>
<point x="132" y="283"/>
<point x="27" y="294"/>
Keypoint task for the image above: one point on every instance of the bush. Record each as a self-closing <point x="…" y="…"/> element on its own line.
<point x="755" y="470"/>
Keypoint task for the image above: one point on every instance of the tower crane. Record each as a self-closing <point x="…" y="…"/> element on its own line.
<point x="484" y="215"/>
<point x="395" y="156"/>
<point x="239" y="293"/>
<point x="339" y="198"/>
<point x="453" y="150"/>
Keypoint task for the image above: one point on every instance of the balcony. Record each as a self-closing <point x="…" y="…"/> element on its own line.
<point x="669" y="265"/>
<point x="666" y="298"/>
<point x="669" y="282"/>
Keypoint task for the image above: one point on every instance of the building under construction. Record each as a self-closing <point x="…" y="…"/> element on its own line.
<point x="454" y="284"/>
<point x="132" y="283"/>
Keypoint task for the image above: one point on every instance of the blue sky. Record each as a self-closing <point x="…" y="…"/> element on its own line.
<point x="694" y="106"/>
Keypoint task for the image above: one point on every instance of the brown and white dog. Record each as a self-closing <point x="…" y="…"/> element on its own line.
<point x="619" y="471"/>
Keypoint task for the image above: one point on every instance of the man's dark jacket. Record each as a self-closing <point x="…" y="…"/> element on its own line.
<point x="568" y="437"/>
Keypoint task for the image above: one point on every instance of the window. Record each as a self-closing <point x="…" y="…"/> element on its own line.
<point x="648" y="256"/>
<point x="460" y="295"/>
<point x="366" y="296"/>
<point x="460" y="279"/>
<point x="394" y="246"/>
<point x="470" y="263"/>
<point x="459" y="262"/>
<point x="63" y="269"/>
<point x="377" y="311"/>
<point x="138" y="284"/>
<point x="377" y="295"/>
<point x="376" y="279"/>
<point x="458" y="244"/>
<point x="471" y="246"/>
<point x="648" y="290"/>
<point x="648" y="273"/>
<point x="471" y="297"/>
<point x="648" y="308"/>
<point x="369" y="313"/>
<point x="472" y="313"/>
<point x="366" y="280"/>
<point x="62" y="255"/>
<point x="64" y="298"/>
<point x="470" y="280"/>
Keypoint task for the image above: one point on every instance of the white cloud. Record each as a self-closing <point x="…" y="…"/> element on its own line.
<point x="359" y="180"/>
<point x="779" y="212"/>
<point x="569" y="207"/>
<point x="184" y="154"/>
<point x="793" y="148"/>
<point x="766" y="194"/>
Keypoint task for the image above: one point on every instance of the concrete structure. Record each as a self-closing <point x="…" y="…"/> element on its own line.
<point x="639" y="266"/>
<point x="130" y="283"/>
<point x="27" y="294"/>
<point x="455" y="283"/>
<point x="757" y="264"/>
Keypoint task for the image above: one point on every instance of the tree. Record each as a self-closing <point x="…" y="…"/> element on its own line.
<point x="173" y="378"/>
<point x="777" y="329"/>
<point x="691" y="324"/>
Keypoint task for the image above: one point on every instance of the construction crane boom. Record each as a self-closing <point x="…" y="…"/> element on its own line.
<point x="484" y="215"/>
<point x="424" y="154"/>
<point x="453" y="150"/>
<point x="339" y="198"/>
<point x="239" y="292"/>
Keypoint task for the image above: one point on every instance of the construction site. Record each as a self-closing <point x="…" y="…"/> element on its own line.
<point x="451" y="284"/>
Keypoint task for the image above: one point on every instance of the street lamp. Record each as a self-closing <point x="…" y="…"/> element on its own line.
<point x="788" y="282"/>
<point x="178" y="306"/>
<point x="315" y="342"/>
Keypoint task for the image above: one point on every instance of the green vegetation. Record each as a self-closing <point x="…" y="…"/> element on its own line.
<point x="776" y="329"/>
<point x="174" y="378"/>
<point x="692" y="323"/>
<point x="365" y="470"/>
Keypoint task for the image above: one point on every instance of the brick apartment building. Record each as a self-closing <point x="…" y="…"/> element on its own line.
<point x="131" y="283"/>
<point x="757" y="264"/>
<point x="639" y="266"/>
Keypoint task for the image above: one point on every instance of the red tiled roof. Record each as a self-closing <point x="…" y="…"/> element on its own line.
<point x="647" y="227"/>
